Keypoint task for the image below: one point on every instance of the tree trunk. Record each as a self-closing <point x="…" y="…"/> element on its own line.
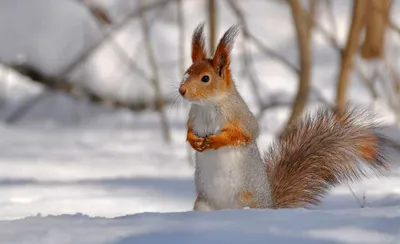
<point x="377" y="11"/>
<point x="212" y="19"/>
<point x="357" y="23"/>
<point x="303" y="25"/>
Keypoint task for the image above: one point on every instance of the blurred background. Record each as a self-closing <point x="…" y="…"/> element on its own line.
<point x="90" y="117"/>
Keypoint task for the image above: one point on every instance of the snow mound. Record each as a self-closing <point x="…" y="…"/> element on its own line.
<point x="247" y="226"/>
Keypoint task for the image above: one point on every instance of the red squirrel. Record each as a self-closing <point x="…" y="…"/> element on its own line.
<point x="313" y="155"/>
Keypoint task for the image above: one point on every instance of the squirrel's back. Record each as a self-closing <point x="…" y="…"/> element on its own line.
<point x="321" y="151"/>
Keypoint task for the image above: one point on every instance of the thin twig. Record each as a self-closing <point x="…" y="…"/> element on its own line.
<point x="355" y="196"/>
<point x="131" y="63"/>
<point x="331" y="16"/>
<point x="369" y="82"/>
<point x="4" y="81"/>
<point x="252" y="74"/>
<point x="261" y="46"/>
<point x="113" y="29"/>
<point x="272" y="54"/>
<point x="247" y="59"/>
<point x="181" y="40"/>
<point x="320" y="97"/>
<point x="156" y="80"/>
<point x="26" y="106"/>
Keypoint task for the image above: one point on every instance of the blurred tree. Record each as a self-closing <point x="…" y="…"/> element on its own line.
<point x="155" y="81"/>
<point x="352" y="44"/>
<point x="212" y="19"/>
<point x="303" y="25"/>
<point x="376" y="23"/>
<point x="181" y="37"/>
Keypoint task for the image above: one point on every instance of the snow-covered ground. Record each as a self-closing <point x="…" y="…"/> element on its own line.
<point x="108" y="173"/>
<point x="378" y="226"/>
<point x="66" y="156"/>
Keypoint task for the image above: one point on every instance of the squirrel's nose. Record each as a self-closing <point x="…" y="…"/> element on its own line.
<point x="182" y="90"/>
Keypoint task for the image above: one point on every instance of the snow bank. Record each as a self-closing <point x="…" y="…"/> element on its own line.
<point x="247" y="226"/>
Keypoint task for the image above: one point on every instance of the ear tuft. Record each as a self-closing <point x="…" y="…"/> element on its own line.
<point x="229" y="37"/>
<point x="222" y="53"/>
<point x="198" y="44"/>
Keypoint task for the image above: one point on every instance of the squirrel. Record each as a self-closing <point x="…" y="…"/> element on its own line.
<point x="313" y="155"/>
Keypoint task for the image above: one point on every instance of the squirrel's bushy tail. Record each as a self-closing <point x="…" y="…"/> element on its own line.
<point x="321" y="151"/>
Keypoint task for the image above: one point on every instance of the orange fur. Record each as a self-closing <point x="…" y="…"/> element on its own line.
<point x="222" y="57"/>
<point x="195" y="142"/>
<point x="197" y="90"/>
<point x="231" y="135"/>
<point x="368" y="145"/>
<point x="217" y="68"/>
<point x="220" y="81"/>
<point x="320" y="152"/>
<point x="247" y="199"/>
<point x="368" y="148"/>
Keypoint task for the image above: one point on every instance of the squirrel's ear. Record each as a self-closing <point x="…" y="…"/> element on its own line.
<point x="222" y="57"/>
<point x="198" y="44"/>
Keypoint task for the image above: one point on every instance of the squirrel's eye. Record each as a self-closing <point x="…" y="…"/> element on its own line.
<point x="205" y="78"/>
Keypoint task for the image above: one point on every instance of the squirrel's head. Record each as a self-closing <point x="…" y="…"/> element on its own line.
<point x="207" y="79"/>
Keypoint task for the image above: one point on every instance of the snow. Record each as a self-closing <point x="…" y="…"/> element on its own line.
<point x="68" y="156"/>
<point x="108" y="173"/>
<point x="95" y="171"/>
<point x="246" y="226"/>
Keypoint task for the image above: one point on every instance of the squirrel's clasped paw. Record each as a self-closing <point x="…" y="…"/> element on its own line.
<point x="211" y="142"/>
<point x="202" y="144"/>
<point x="206" y="144"/>
<point x="197" y="143"/>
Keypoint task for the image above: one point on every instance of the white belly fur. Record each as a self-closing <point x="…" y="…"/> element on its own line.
<point x="218" y="172"/>
<point x="218" y="175"/>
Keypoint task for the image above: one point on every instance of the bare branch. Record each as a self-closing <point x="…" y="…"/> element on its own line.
<point x="247" y="59"/>
<point x="131" y="63"/>
<point x="113" y="29"/>
<point x="330" y="37"/>
<point x="369" y="82"/>
<point x="272" y="54"/>
<point x="264" y="48"/>
<point x="74" y="90"/>
<point x="155" y="81"/>
<point x="320" y="97"/>
<point x="332" y="20"/>
<point x="25" y="107"/>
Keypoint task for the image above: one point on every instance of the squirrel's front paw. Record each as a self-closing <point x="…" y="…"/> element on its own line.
<point x="196" y="143"/>
<point x="212" y="142"/>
